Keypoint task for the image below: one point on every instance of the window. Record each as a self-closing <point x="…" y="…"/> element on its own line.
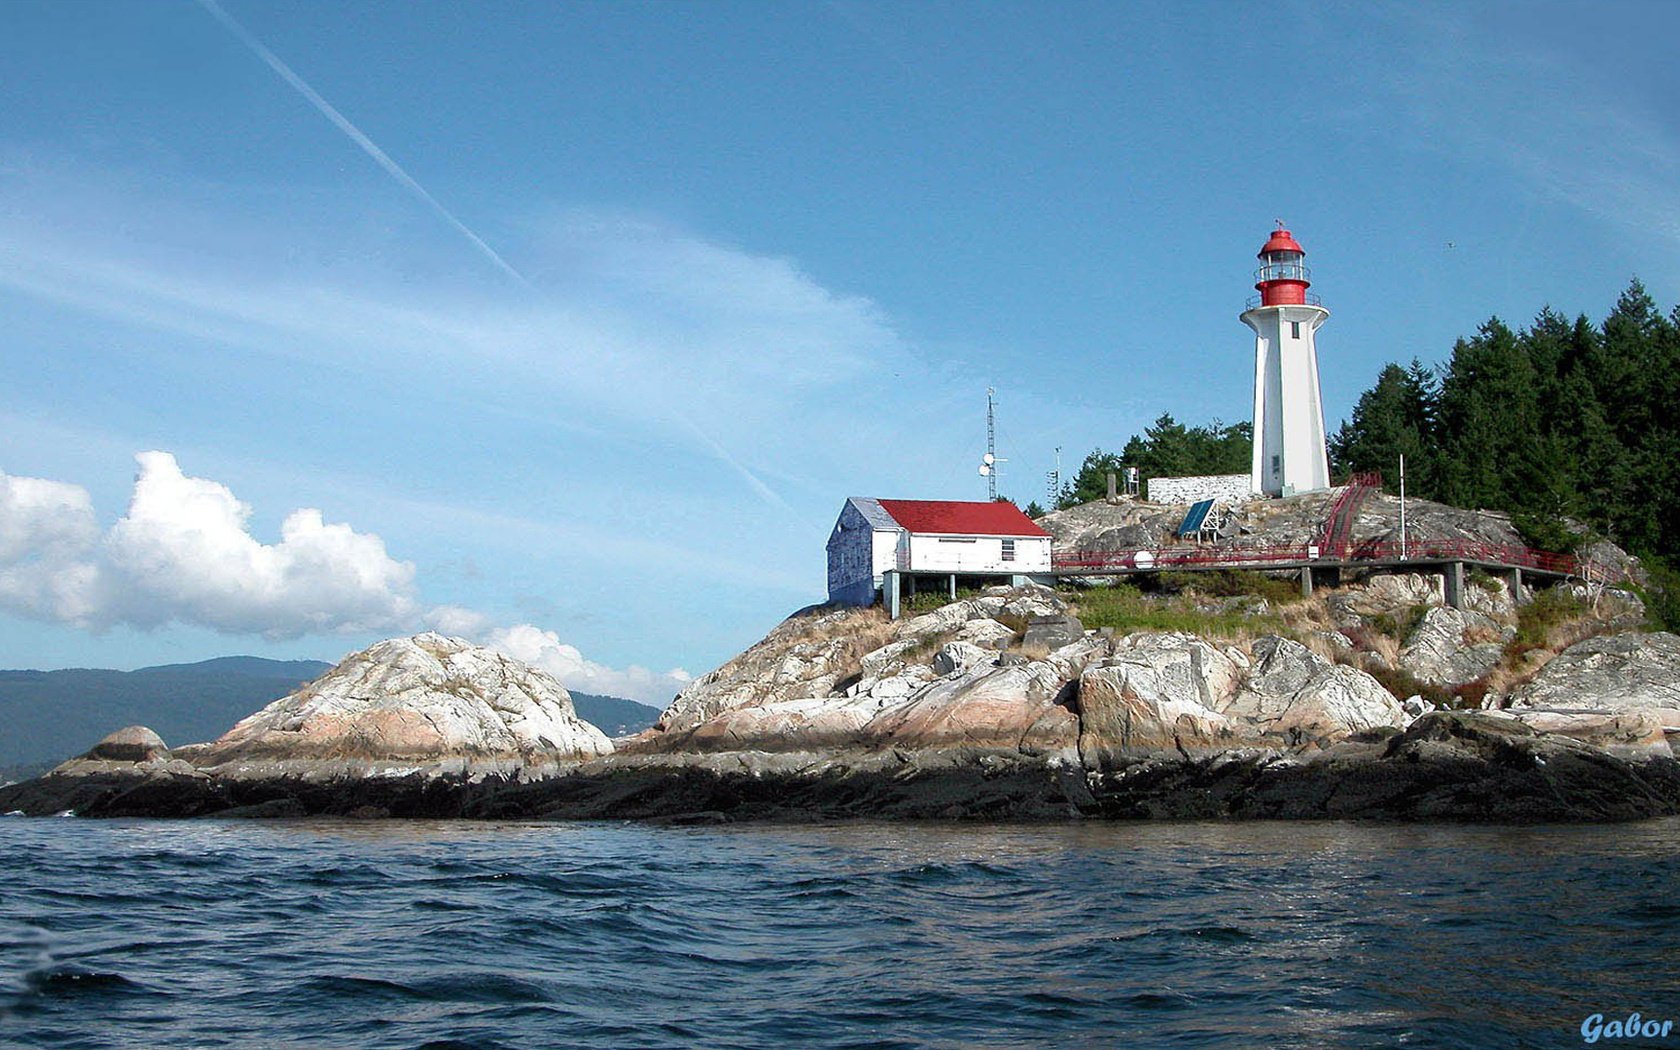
<point x="1294" y="329"/>
<point x="1008" y="550"/>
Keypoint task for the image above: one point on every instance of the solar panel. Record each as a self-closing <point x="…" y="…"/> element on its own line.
<point x="1194" y="518"/>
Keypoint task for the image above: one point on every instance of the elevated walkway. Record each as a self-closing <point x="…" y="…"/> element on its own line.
<point x="1335" y="551"/>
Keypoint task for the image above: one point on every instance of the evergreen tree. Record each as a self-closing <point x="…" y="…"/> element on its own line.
<point x="1393" y="418"/>
<point x="1091" y="483"/>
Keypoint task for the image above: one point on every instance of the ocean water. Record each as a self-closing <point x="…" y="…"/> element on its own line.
<point x="452" y="934"/>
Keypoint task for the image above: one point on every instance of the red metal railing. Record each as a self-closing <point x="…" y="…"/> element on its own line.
<point x="1284" y="555"/>
<point x="1338" y="524"/>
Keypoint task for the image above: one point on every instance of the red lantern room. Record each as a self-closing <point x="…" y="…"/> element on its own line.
<point x="1282" y="279"/>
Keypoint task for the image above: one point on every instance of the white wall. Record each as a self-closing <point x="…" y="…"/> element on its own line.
<point x="1288" y="410"/>
<point x="978" y="554"/>
<point x="852" y="575"/>
<point x="1228" y="488"/>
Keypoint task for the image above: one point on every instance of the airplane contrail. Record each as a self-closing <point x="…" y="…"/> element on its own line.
<point x="367" y="145"/>
<point x="768" y="494"/>
<point x="396" y="171"/>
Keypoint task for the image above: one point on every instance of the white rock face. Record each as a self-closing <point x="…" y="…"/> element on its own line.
<point x="1158" y="693"/>
<point x="1389" y="593"/>
<point x="987" y="633"/>
<point x="957" y="657"/>
<point x="420" y="700"/>
<point x="1296" y="693"/>
<point x="1613" y="672"/>
<point x="1436" y="651"/>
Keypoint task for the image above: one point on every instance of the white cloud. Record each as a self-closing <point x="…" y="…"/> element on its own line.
<point x="184" y="553"/>
<point x="455" y="620"/>
<point x="544" y="650"/>
<point x="47" y="532"/>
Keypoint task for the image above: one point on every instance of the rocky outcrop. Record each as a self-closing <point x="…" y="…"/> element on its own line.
<point x="1445" y="766"/>
<point x="1297" y="695"/>
<point x="1631" y="734"/>
<point x="1614" y="672"/>
<point x="1157" y="693"/>
<point x="130" y="751"/>
<point x="1439" y="651"/>
<point x="1002" y="704"/>
<point x="421" y="701"/>
<point x="1386" y="595"/>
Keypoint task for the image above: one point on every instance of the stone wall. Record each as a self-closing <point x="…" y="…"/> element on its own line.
<point x="1227" y="488"/>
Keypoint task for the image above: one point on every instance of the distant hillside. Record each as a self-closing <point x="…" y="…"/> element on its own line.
<point x="614" y="715"/>
<point x="48" y="716"/>
<point x="51" y="715"/>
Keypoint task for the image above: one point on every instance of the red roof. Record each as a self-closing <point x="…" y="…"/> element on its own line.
<point x="954" y="517"/>
<point x="1282" y="241"/>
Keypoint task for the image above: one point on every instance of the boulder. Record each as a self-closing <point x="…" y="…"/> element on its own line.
<point x="413" y="701"/>
<point x="957" y="657"/>
<point x="1613" y="672"/>
<point x="1436" y="653"/>
<point x="1016" y="708"/>
<point x="1416" y="706"/>
<point x="1157" y="693"/>
<point x="813" y="653"/>
<point x="1387" y="594"/>
<point x="1052" y="632"/>
<point x="1295" y="694"/>
<point x="1489" y="596"/>
<point x="131" y="744"/>
<point x="986" y="633"/>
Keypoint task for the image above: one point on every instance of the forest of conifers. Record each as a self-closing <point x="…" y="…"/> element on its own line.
<point x="1571" y="427"/>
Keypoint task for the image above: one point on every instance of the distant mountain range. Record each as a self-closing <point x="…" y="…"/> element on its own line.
<point x="48" y="716"/>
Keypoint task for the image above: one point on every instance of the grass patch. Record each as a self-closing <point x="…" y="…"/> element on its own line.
<point x="1550" y="610"/>
<point x="1232" y="583"/>
<point x="928" y="601"/>
<point x="1123" y="608"/>
<point x="1399" y="626"/>
<point x="1402" y="686"/>
<point x="1487" y="581"/>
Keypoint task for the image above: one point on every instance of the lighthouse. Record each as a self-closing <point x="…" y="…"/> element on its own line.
<point x="1289" y="451"/>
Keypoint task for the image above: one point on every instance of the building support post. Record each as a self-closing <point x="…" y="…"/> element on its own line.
<point x="1455" y="584"/>
<point x="953" y="586"/>
<point x="1306" y="581"/>
<point x="1518" y="595"/>
<point x="889" y="593"/>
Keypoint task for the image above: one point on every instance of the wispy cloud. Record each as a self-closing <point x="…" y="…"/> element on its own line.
<point x="357" y="136"/>
<point x="1543" y="114"/>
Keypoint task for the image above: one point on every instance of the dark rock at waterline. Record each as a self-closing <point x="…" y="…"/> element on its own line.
<point x="1447" y="766"/>
<point x="1456" y="766"/>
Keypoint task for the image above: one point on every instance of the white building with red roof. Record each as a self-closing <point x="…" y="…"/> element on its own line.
<point x="881" y="545"/>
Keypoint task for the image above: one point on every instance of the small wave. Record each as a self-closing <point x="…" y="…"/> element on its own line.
<point x="66" y="981"/>
<point x="466" y="988"/>
<point x="1160" y="1001"/>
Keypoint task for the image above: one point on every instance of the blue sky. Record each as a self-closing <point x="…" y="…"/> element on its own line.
<point x="576" y="323"/>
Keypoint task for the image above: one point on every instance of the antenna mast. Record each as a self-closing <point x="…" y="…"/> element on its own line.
<point x="989" y="462"/>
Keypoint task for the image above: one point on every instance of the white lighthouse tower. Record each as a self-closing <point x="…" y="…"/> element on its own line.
<point x="1289" y="452"/>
